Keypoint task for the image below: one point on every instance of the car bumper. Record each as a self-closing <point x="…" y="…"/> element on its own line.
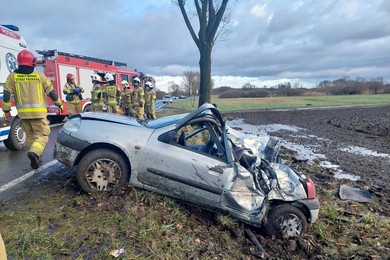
<point x="68" y="148"/>
<point x="313" y="205"/>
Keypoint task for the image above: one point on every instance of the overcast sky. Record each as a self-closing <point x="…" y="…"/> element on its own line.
<point x="271" y="41"/>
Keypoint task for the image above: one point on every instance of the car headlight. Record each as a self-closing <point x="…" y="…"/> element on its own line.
<point x="73" y="125"/>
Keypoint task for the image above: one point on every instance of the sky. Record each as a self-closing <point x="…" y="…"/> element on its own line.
<point x="270" y="41"/>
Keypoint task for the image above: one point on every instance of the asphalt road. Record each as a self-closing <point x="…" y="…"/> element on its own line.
<point x="15" y="165"/>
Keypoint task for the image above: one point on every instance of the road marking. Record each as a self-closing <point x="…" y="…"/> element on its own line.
<point x="26" y="176"/>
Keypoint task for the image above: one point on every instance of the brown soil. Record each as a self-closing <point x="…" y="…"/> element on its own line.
<point x="338" y="127"/>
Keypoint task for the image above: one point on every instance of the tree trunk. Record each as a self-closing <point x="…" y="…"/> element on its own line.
<point x="205" y="74"/>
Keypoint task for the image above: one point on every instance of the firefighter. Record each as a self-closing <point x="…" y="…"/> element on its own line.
<point x="126" y="98"/>
<point x="112" y="94"/>
<point x="73" y="95"/>
<point x="29" y="87"/>
<point x="138" y="99"/>
<point x="150" y="101"/>
<point x="3" y="253"/>
<point x="97" y="93"/>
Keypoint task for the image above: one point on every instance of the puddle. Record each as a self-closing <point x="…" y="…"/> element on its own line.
<point x="338" y="173"/>
<point x="363" y="151"/>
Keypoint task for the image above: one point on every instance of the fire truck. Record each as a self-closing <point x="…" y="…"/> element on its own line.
<point x="56" y="65"/>
<point x="11" y="43"/>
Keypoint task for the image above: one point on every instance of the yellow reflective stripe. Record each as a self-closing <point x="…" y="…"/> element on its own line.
<point x="40" y="93"/>
<point x="31" y="110"/>
<point x="18" y="95"/>
<point x="39" y="146"/>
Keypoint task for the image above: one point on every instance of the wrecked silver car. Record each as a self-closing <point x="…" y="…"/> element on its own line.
<point x="194" y="157"/>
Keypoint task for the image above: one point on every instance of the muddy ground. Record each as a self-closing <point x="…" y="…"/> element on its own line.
<point x="365" y="130"/>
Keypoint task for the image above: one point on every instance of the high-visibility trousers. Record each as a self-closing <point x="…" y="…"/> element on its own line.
<point x="37" y="133"/>
<point x="74" y="109"/>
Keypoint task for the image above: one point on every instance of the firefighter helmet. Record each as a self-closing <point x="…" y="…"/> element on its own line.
<point x="95" y="77"/>
<point x="149" y="84"/>
<point x="109" y="77"/>
<point x="26" y="58"/>
<point x="136" y="79"/>
<point x="124" y="82"/>
<point x="69" y="76"/>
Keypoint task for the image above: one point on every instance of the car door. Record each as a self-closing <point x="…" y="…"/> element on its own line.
<point x="188" y="163"/>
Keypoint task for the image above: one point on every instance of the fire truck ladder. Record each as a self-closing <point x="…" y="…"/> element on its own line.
<point x="50" y="54"/>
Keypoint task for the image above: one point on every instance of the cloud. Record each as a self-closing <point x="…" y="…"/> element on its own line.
<point x="270" y="40"/>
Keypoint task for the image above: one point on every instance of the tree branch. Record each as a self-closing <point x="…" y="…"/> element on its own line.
<point x="181" y="4"/>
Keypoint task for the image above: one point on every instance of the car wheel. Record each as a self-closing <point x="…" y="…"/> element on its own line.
<point x="87" y="108"/>
<point x="102" y="171"/>
<point x="17" y="137"/>
<point x="285" y="221"/>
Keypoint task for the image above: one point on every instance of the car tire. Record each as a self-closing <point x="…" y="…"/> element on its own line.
<point x="17" y="137"/>
<point x="102" y="171"/>
<point x="285" y="221"/>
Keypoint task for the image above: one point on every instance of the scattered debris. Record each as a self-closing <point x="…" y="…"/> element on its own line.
<point x="117" y="252"/>
<point x="350" y="193"/>
<point x="256" y="242"/>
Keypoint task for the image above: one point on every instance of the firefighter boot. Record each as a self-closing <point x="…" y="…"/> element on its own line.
<point x="34" y="158"/>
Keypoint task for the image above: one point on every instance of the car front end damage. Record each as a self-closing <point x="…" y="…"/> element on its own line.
<point x="265" y="187"/>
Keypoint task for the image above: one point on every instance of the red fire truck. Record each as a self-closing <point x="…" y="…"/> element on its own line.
<point x="56" y="65"/>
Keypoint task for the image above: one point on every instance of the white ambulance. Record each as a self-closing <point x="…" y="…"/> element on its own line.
<point x="11" y="43"/>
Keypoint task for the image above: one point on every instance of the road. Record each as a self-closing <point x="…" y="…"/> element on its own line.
<point x="15" y="165"/>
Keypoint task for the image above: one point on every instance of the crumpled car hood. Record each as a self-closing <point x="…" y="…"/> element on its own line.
<point x="110" y="118"/>
<point x="264" y="147"/>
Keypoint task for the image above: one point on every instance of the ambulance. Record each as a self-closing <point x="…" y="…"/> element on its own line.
<point x="11" y="43"/>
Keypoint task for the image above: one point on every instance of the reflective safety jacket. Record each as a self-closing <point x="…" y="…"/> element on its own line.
<point x="29" y="92"/>
<point x="113" y="94"/>
<point x="150" y="97"/>
<point x="138" y="97"/>
<point x="71" y="96"/>
<point x="97" y="94"/>
<point x="126" y="98"/>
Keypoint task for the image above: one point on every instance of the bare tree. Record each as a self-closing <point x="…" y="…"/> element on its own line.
<point x="191" y="82"/>
<point x="211" y="14"/>
<point x="173" y="88"/>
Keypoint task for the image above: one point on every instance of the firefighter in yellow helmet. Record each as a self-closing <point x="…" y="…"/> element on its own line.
<point x="150" y="101"/>
<point x="112" y="94"/>
<point x="138" y="99"/>
<point x="73" y="95"/>
<point x="126" y="98"/>
<point x="29" y="88"/>
<point x="97" y="93"/>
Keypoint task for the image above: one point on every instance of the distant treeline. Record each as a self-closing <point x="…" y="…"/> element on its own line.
<point x="343" y="86"/>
